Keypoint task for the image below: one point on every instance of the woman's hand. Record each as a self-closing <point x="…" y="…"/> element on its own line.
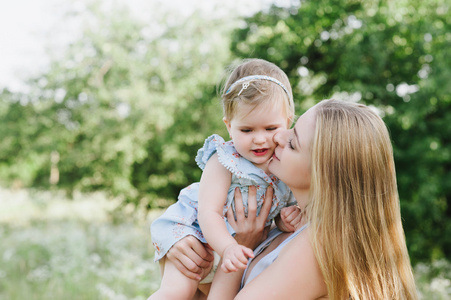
<point x="191" y="257"/>
<point x="250" y="230"/>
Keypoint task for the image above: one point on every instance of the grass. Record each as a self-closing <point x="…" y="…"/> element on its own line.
<point x="55" y="248"/>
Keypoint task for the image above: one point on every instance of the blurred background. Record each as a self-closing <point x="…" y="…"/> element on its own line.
<point x="103" y="105"/>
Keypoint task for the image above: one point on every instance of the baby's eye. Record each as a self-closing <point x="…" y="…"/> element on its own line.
<point x="246" y="130"/>
<point x="271" y="128"/>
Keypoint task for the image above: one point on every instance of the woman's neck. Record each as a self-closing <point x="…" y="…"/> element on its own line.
<point x="302" y="197"/>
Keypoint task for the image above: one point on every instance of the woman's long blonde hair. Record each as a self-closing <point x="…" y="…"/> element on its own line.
<point x="354" y="210"/>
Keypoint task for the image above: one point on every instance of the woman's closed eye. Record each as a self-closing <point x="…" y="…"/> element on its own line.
<point x="290" y="144"/>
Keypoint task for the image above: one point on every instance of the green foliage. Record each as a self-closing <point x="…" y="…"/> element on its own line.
<point x="390" y="54"/>
<point x="125" y="108"/>
<point x="433" y="280"/>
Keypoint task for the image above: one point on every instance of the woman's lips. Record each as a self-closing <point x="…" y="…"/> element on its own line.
<point x="260" y="152"/>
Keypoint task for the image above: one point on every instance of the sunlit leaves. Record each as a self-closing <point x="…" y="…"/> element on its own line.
<point x="126" y="106"/>
<point x="393" y="55"/>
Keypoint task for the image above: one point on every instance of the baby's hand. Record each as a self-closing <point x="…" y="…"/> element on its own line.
<point x="290" y="218"/>
<point x="235" y="257"/>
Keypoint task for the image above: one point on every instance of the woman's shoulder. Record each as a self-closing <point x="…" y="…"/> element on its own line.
<point x="300" y="241"/>
<point x="299" y="257"/>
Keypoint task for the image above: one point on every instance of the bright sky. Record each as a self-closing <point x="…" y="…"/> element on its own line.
<point x="28" y="28"/>
<point x="20" y="43"/>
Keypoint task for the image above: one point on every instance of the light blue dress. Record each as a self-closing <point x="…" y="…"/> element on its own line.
<point x="180" y="219"/>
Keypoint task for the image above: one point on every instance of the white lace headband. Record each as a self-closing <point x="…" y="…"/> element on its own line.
<point x="248" y="79"/>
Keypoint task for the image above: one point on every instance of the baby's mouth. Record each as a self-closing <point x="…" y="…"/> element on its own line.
<point x="260" y="152"/>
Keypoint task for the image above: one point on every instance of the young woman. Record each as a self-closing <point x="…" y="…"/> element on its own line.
<point x="350" y="244"/>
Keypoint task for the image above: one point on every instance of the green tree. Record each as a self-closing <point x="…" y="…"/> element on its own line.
<point x="125" y="107"/>
<point x="393" y="55"/>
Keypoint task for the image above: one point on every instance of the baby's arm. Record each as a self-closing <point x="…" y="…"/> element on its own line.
<point x="213" y="189"/>
<point x="289" y="218"/>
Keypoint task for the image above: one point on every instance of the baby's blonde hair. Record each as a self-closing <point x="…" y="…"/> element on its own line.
<point x="354" y="210"/>
<point x="259" y="91"/>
